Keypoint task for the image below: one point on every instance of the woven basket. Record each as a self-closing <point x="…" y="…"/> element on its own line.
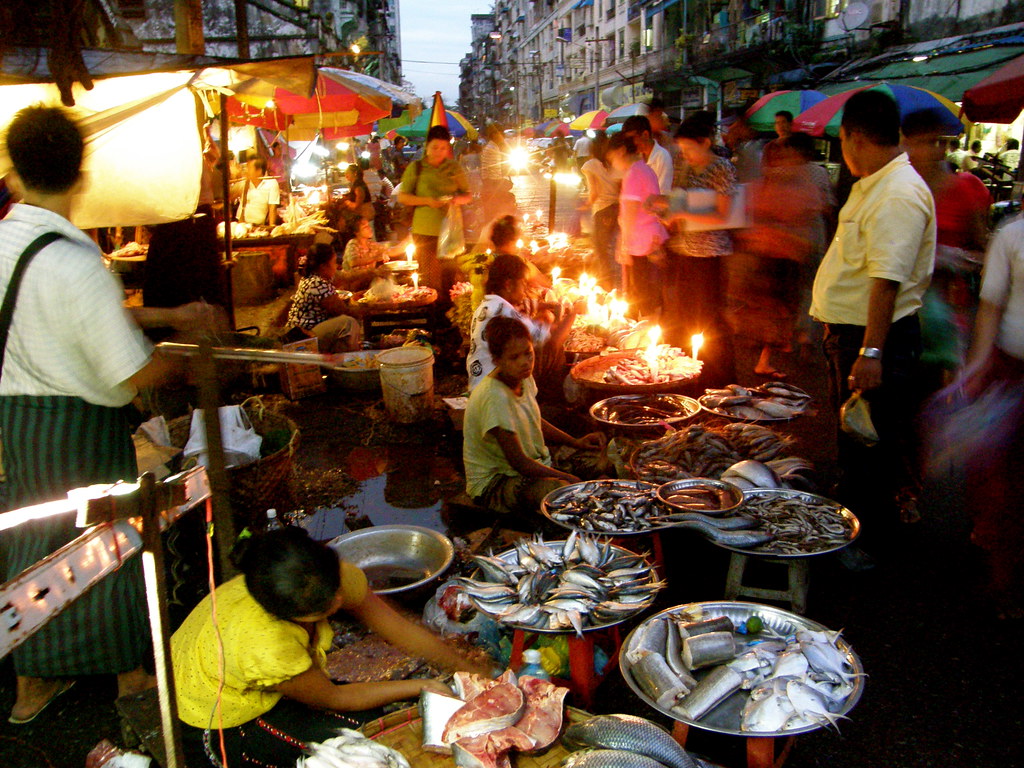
<point x="255" y="487"/>
<point x="403" y="731"/>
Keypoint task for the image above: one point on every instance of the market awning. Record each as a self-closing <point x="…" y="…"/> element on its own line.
<point x="725" y="74"/>
<point x="949" y="74"/>
<point x="583" y="4"/>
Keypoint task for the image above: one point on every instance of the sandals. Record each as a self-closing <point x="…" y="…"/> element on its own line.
<point x="772" y="374"/>
<point x="66" y="686"/>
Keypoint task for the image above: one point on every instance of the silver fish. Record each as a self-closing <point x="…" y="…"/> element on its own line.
<point x="720" y="683"/>
<point x="653" y="674"/>
<point x="610" y="758"/>
<point x="630" y="734"/>
<point x="741" y="539"/>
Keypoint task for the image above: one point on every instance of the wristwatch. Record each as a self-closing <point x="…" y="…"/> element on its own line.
<point x="871" y="352"/>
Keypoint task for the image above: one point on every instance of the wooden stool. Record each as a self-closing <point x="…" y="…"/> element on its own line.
<point x="760" y="749"/>
<point x="657" y="553"/>
<point x="583" y="680"/>
<point x="796" y="595"/>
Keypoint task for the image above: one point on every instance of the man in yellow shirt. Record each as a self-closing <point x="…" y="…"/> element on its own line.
<point x="867" y="292"/>
<point x="251" y="659"/>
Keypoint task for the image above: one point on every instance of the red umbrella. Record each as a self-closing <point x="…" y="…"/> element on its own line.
<point x="999" y="98"/>
<point x="557" y="129"/>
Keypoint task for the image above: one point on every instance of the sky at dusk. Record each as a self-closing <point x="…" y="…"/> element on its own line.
<point x="435" y="36"/>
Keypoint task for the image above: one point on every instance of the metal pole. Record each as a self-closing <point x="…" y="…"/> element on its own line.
<point x="225" y="167"/>
<point x="552" y="200"/>
<point x="188" y="26"/>
<point x="159" y="622"/>
<point x="242" y="28"/>
<point x="597" y="76"/>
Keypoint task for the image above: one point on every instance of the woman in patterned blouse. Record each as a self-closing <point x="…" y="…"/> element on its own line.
<point x="318" y="311"/>
<point x="362" y="256"/>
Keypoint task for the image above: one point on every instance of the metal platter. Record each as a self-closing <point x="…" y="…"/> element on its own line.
<point x="400" y="266"/>
<point x="732" y="417"/>
<point x="685" y="407"/>
<point x="590" y="373"/>
<point x="512" y="556"/>
<point x="764" y="549"/>
<point x="725" y="718"/>
<point x="556" y="495"/>
<point x="735" y="495"/>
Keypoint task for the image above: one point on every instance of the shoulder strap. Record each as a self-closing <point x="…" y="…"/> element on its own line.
<point x="14" y="286"/>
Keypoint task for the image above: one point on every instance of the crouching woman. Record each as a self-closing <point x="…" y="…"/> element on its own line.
<point x="508" y="464"/>
<point x="251" y="658"/>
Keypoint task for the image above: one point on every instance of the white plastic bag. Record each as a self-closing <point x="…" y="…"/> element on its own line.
<point x="239" y="438"/>
<point x="451" y="243"/>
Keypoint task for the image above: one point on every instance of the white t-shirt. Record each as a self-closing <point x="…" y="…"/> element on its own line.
<point x="1002" y="284"/>
<point x="258" y="200"/>
<point x="479" y="363"/>
<point x="604" y="181"/>
<point x="70" y="335"/>
<point x="493" y="404"/>
<point x="661" y="163"/>
<point x="582" y="146"/>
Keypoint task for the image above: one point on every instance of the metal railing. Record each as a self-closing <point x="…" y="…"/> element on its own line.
<point x="750" y="33"/>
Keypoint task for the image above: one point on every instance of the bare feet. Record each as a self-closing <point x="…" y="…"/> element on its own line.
<point x="136" y="681"/>
<point x="34" y="694"/>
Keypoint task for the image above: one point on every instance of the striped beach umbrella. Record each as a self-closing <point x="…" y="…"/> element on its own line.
<point x="761" y="115"/>
<point x="825" y="117"/>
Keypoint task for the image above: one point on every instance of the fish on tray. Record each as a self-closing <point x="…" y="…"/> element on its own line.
<point x="639" y="742"/>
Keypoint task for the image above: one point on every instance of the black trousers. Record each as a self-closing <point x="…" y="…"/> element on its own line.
<point x="694" y="302"/>
<point x="870" y="478"/>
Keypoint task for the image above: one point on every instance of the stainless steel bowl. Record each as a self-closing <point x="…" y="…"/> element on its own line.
<point x="735" y="495"/>
<point x="396" y="558"/>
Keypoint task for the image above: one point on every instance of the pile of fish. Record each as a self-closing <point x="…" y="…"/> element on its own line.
<point x="708" y="451"/>
<point x="624" y="741"/>
<point x="496" y="717"/>
<point x="670" y="365"/>
<point x="798" y="523"/>
<point x="562" y="585"/>
<point x="774" y="400"/>
<point x="795" y="682"/>
<point x="608" y="506"/>
<point x="350" y="749"/>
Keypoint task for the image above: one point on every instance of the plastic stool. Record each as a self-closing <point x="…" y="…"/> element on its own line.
<point x="583" y="680"/>
<point x="760" y="749"/>
<point x="796" y="595"/>
<point x="657" y="557"/>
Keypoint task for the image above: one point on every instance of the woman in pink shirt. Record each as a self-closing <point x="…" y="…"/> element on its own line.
<point x="642" y="234"/>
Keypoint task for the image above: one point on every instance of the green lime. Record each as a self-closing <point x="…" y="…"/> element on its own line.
<point x="754" y="624"/>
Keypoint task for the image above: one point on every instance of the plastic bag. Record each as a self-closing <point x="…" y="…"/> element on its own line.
<point x="451" y="242"/>
<point x="855" y="420"/>
<point x="450" y="612"/>
<point x="239" y="438"/>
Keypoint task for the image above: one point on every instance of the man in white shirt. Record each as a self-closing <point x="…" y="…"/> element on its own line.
<point x="656" y="156"/>
<point x="581" y="149"/>
<point x="260" y="195"/>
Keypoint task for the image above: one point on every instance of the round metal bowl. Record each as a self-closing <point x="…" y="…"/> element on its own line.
<point x="726" y="717"/>
<point x="684" y="407"/>
<point x="396" y="558"/>
<point x="590" y="373"/>
<point x="556" y="496"/>
<point x="734" y="494"/>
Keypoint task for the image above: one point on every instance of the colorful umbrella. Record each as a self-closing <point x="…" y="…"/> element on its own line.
<point x="825" y="116"/>
<point x="557" y="128"/>
<point x="623" y="113"/>
<point x="761" y="115"/>
<point x="999" y="98"/>
<point x="611" y="130"/>
<point x="590" y="121"/>
<point x="457" y="124"/>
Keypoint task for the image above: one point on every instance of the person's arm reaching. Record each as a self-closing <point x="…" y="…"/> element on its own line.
<point x="315" y="689"/>
<point x="509" y="443"/>
<point x="552" y="434"/>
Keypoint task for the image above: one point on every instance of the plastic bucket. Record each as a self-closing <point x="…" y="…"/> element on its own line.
<point x="407" y="379"/>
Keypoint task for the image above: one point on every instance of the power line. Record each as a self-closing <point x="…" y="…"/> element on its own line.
<point x="420" y="61"/>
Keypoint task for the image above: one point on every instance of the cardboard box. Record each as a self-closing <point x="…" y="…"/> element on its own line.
<point x="298" y="381"/>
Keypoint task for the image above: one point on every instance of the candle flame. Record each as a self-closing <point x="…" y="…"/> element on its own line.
<point x="696" y="341"/>
<point x="519" y="244"/>
<point x="410" y="251"/>
<point x="555" y="274"/>
<point x="416" y="280"/>
<point x="655" y="335"/>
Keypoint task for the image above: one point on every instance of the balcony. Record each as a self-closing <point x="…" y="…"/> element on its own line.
<point x="746" y="35"/>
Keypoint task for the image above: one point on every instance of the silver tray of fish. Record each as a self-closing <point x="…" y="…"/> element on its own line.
<point x="642" y="413"/>
<point x="605" y="507"/>
<point x="793" y="676"/>
<point x="577" y="585"/>
<point x="774" y="401"/>
<point x="801" y="524"/>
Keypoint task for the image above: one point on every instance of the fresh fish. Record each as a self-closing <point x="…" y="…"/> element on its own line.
<point x="690" y="628"/>
<point x="494" y="569"/>
<point x="824" y="657"/>
<point x="740" y="539"/>
<point x="651" y="637"/>
<point x="436" y="710"/>
<point x="609" y="758"/>
<point x="630" y="734"/>
<point x="790" y="664"/>
<point x="653" y="674"/>
<point x="809" y="704"/>
<point x="673" y="654"/>
<point x="720" y="683"/>
<point x="705" y="650"/>
<point x="755" y="472"/>
<point x="500" y="706"/>
<point x="768" y="709"/>
<point x="589" y="550"/>
<point x="727" y="523"/>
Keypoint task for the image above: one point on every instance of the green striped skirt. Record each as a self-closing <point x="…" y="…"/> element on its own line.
<point x="50" y="445"/>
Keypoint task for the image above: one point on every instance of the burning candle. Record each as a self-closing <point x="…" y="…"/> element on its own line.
<point x="538" y="215"/>
<point x="410" y="252"/>
<point x="416" y="280"/>
<point x="696" y="341"/>
<point x="520" y="244"/>
<point x="555" y="274"/>
<point x="655" y="335"/>
<point x="526" y="218"/>
<point x="534" y="247"/>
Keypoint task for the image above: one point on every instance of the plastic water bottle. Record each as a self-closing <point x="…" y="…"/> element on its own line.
<point x="532" y="666"/>
<point x="273" y="524"/>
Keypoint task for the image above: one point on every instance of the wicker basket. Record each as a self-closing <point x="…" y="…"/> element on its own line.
<point x="403" y="731"/>
<point x="255" y="487"/>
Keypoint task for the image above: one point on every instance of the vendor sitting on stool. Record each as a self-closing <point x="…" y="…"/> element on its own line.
<point x="508" y="464"/>
<point x="317" y="309"/>
<point x="363" y="255"/>
<point x="270" y="693"/>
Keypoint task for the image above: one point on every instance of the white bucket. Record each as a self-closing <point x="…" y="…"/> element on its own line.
<point x="407" y="378"/>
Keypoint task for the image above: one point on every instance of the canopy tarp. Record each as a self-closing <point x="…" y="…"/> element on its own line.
<point x="999" y="98"/>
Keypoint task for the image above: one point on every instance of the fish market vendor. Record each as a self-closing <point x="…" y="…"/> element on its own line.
<point x="506" y="289"/>
<point x="508" y="464"/>
<point x="251" y="658"/>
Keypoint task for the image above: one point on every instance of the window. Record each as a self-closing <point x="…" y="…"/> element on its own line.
<point x="622" y="43"/>
<point x="828" y="9"/>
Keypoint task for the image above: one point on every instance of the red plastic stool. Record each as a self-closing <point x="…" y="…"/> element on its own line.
<point x="760" y="749"/>
<point x="657" y="557"/>
<point x="583" y="680"/>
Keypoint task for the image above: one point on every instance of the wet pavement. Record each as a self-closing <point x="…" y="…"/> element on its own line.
<point x="942" y="686"/>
